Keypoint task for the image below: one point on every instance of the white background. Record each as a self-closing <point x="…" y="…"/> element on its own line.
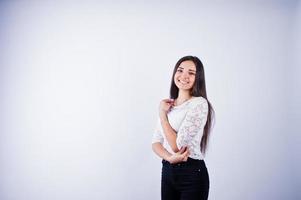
<point x="81" y="83"/>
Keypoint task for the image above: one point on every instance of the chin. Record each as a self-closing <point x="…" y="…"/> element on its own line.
<point x="184" y="88"/>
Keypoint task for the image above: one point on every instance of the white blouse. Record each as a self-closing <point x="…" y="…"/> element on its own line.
<point x="188" y="120"/>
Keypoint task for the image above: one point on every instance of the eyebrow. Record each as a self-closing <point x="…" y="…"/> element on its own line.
<point x="188" y="70"/>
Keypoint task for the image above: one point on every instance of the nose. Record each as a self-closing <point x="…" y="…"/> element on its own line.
<point x="185" y="75"/>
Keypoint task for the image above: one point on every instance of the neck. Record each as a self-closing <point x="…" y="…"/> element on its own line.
<point x="184" y="95"/>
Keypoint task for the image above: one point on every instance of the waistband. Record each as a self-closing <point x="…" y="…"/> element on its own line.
<point x="189" y="162"/>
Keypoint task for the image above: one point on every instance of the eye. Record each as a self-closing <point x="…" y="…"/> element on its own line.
<point x="179" y="70"/>
<point x="191" y="73"/>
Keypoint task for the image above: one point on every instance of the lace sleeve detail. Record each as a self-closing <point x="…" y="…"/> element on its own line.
<point x="191" y="129"/>
<point x="157" y="136"/>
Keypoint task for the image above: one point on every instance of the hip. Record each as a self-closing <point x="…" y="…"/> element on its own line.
<point x="191" y="173"/>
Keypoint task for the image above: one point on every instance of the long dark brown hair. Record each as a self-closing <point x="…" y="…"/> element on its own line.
<point x="198" y="89"/>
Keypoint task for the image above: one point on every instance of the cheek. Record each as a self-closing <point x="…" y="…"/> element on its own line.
<point x="192" y="80"/>
<point x="176" y="77"/>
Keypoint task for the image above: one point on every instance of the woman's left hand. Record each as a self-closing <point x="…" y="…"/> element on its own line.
<point x="180" y="156"/>
<point x="165" y="106"/>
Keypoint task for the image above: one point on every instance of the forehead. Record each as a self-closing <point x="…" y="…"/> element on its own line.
<point x="188" y="64"/>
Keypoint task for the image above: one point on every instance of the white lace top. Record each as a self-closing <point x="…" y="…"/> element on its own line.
<point x="188" y="120"/>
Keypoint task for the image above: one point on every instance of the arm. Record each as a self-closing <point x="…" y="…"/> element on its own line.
<point x="161" y="151"/>
<point x="157" y="142"/>
<point x="158" y="148"/>
<point x="180" y="156"/>
<point x="170" y="133"/>
<point x="193" y="124"/>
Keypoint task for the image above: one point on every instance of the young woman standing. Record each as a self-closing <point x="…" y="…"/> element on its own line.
<point x="182" y="133"/>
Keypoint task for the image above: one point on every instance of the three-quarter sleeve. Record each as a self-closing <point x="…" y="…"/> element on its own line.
<point x="191" y="129"/>
<point x="157" y="135"/>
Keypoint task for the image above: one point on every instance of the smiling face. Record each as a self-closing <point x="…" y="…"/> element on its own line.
<point x="184" y="77"/>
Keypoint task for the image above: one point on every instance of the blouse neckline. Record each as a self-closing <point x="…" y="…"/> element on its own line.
<point x="185" y="102"/>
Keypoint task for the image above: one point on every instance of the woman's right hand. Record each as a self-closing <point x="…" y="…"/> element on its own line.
<point x="165" y="106"/>
<point x="180" y="156"/>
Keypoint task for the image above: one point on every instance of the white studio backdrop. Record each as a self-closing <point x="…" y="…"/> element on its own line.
<point x="81" y="84"/>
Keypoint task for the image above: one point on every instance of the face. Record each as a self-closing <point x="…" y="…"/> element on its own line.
<point x="185" y="75"/>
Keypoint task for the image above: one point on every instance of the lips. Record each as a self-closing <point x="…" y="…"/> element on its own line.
<point x="183" y="82"/>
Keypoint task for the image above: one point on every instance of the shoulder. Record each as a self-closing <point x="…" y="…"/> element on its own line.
<point x="199" y="103"/>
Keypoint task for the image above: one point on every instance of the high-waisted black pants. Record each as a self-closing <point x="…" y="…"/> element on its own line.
<point x="184" y="181"/>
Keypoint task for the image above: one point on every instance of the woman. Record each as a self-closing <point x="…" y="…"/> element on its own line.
<point x="182" y="133"/>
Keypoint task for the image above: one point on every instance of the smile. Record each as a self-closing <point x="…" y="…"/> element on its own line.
<point x="183" y="82"/>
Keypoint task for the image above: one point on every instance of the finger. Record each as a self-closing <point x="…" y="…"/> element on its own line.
<point x="185" y="149"/>
<point x="182" y="150"/>
<point x="168" y="100"/>
<point x="186" y="153"/>
<point x="171" y="101"/>
<point x="185" y="158"/>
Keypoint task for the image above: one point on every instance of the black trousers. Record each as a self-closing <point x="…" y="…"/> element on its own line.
<point x="184" y="181"/>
